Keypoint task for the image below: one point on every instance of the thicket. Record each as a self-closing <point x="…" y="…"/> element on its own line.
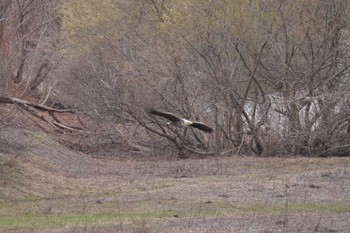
<point x="271" y="77"/>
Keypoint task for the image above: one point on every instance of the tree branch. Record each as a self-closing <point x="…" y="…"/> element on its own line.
<point x="41" y="107"/>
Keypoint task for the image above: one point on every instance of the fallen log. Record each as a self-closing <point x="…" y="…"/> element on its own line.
<point x="41" y="107"/>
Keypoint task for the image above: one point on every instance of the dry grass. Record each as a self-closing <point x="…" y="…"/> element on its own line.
<point x="48" y="188"/>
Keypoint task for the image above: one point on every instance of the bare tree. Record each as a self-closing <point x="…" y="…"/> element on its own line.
<point x="4" y="5"/>
<point x="271" y="77"/>
<point x="28" y="23"/>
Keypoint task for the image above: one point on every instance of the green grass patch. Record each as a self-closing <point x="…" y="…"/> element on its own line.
<point x="68" y="220"/>
<point x="109" y="213"/>
<point x="296" y="207"/>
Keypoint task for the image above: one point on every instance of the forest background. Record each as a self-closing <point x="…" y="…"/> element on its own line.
<point x="270" y="76"/>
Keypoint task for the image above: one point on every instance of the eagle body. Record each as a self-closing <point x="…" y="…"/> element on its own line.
<point x="186" y="123"/>
<point x="175" y="120"/>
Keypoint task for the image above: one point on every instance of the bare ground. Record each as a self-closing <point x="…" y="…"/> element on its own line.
<point x="49" y="188"/>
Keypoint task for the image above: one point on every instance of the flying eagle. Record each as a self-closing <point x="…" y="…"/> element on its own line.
<point x="181" y="121"/>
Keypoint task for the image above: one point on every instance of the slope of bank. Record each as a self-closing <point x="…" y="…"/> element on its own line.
<point x="33" y="164"/>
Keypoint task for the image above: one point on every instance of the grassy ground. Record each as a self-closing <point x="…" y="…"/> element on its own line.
<point x="48" y="188"/>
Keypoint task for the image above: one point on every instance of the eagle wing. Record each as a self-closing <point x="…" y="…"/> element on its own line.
<point x="202" y="126"/>
<point x="173" y="118"/>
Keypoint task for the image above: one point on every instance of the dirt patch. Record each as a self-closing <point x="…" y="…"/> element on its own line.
<point x="64" y="191"/>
